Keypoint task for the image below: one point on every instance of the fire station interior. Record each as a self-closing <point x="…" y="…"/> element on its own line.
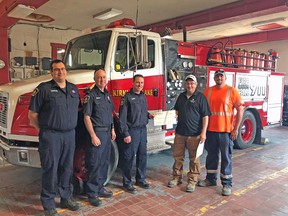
<point x="248" y="39"/>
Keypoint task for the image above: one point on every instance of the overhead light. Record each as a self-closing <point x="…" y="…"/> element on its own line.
<point x="107" y="14"/>
<point x="21" y="11"/>
<point x="267" y="22"/>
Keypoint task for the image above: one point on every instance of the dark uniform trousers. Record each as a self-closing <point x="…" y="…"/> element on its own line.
<point x="216" y="142"/>
<point x="138" y="147"/>
<point x="56" y="150"/>
<point x="97" y="160"/>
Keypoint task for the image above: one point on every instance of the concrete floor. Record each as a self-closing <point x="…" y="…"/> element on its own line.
<point x="260" y="187"/>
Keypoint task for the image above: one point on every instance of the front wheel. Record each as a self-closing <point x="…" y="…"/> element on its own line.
<point x="247" y="131"/>
<point x="80" y="172"/>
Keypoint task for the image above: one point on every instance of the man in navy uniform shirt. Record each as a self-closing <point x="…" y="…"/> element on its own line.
<point x="134" y="115"/>
<point x="98" y="108"/>
<point x="53" y="111"/>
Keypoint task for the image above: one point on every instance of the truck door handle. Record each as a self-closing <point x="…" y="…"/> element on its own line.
<point x="155" y="92"/>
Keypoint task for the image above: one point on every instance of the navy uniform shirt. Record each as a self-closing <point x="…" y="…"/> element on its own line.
<point x="57" y="108"/>
<point x="190" y="113"/>
<point x="133" y="112"/>
<point x="99" y="106"/>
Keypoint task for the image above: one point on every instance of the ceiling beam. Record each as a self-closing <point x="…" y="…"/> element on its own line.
<point x="220" y="15"/>
<point x="261" y="37"/>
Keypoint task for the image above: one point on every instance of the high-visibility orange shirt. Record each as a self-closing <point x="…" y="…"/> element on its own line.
<point x="222" y="102"/>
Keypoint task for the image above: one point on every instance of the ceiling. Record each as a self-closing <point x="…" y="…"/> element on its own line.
<point x="202" y="19"/>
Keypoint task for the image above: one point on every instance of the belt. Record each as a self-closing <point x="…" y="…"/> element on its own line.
<point x="101" y="129"/>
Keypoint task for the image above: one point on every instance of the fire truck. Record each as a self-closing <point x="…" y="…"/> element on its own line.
<point x="123" y="52"/>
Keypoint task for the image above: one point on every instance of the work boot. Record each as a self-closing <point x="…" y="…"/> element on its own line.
<point x="70" y="204"/>
<point x="190" y="187"/>
<point x="174" y="182"/>
<point x="226" y="190"/>
<point x="144" y="184"/>
<point x="95" y="201"/>
<point x="206" y="183"/>
<point x="51" y="212"/>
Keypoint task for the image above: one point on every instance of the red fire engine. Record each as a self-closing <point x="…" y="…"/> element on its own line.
<point x="164" y="63"/>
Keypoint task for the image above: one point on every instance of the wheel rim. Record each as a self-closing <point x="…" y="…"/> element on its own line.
<point x="246" y="130"/>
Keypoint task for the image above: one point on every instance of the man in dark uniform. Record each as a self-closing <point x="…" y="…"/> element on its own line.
<point x="53" y="111"/>
<point x="134" y="115"/>
<point x="193" y="112"/>
<point x="98" y="109"/>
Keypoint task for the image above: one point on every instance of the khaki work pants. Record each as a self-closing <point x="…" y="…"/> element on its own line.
<point x="180" y="145"/>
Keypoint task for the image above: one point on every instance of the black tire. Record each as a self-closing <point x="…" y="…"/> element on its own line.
<point x="247" y="131"/>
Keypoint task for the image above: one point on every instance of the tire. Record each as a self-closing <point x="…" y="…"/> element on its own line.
<point x="114" y="158"/>
<point x="247" y="131"/>
<point x="80" y="172"/>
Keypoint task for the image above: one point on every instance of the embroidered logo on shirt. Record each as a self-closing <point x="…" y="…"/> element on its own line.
<point x="36" y="90"/>
<point x="86" y="99"/>
<point x="53" y="90"/>
<point x="192" y="101"/>
<point x="122" y="101"/>
<point x="73" y="91"/>
<point x="98" y="98"/>
<point x="133" y="98"/>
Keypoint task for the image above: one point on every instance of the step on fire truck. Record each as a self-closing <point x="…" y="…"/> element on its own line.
<point x="164" y="63"/>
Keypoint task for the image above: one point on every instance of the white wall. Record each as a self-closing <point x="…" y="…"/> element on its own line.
<point x="281" y="47"/>
<point x="37" y="40"/>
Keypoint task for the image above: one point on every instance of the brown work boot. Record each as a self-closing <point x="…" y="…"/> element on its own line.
<point x="190" y="187"/>
<point x="174" y="182"/>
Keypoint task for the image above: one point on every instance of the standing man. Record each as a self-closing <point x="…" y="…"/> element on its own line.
<point x="222" y="130"/>
<point x="192" y="110"/>
<point x="98" y="119"/>
<point x="134" y="115"/>
<point x="53" y="111"/>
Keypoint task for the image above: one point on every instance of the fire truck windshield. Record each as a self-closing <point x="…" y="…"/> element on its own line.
<point x="88" y="51"/>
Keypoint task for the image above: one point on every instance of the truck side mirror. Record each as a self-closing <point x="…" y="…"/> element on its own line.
<point x="141" y="49"/>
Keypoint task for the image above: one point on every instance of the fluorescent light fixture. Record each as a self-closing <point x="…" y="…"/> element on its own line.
<point x="107" y="14"/>
<point x="267" y="22"/>
<point x="21" y="11"/>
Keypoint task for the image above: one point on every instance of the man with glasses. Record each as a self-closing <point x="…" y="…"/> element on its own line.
<point x="53" y="111"/>
<point x="222" y="130"/>
<point x="192" y="111"/>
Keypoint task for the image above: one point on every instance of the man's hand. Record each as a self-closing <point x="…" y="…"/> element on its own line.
<point x="113" y="134"/>
<point x="95" y="140"/>
<point x="127" y="139"/>
<point x="234" y="134"/>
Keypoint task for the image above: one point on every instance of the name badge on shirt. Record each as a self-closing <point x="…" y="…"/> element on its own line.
<point x="133" y="98"/>
<point x="53" y="90"/>
<point x="98" y="98"/>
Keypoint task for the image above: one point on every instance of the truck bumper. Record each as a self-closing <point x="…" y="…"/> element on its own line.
<point x="23" y="156"/>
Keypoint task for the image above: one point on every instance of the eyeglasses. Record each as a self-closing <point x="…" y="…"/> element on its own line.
<point x="58" y="69"/>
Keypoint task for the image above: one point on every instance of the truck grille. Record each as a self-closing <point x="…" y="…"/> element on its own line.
<point x="3" y="109"/>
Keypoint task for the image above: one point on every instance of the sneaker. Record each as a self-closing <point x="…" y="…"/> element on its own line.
<point x="191" y="187"/>
<point x="95" y="201"/>
<point x="206" y="183"/>
<point x="143" y="184"/>
<point x="51" y="212"/>
<point x="69" y="204"/>
<point x="174" y="182"/>
<point x="226" y="191"/>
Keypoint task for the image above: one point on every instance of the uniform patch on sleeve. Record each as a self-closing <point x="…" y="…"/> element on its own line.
<point x="35" y="91"/>
<point x="122" y="101"/>
<point x="86" y="99"/>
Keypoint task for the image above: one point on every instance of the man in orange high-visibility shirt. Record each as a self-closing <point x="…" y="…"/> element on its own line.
<point x="221" y="132"/>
